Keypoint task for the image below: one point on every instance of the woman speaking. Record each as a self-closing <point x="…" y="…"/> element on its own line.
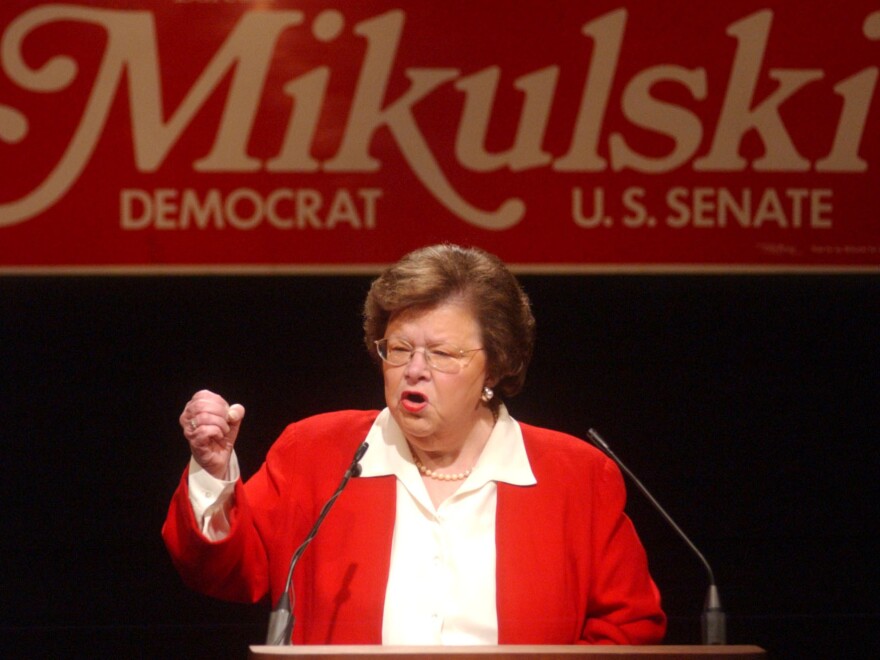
<point x="465" y="526"/>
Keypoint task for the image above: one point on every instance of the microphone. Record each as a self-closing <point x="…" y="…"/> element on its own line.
<point x="281" y="619"/>
<point x="713" y="622"/>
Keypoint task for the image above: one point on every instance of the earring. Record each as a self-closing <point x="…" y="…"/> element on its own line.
<point x="487" y="394"/>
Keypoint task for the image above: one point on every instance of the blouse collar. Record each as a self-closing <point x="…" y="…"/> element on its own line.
<point x="503" y="459"/>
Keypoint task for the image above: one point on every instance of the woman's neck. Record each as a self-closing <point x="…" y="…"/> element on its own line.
<point x="455" y="453"/>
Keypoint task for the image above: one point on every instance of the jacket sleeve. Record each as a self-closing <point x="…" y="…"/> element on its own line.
<point x="234" y="568"/>
<point x="270" y="513"/>
<point x="624" y="603"/>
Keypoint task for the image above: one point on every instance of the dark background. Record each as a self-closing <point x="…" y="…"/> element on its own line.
<point x="747" y="404"/>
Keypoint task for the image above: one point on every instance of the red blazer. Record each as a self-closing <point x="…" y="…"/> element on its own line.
<point x="569" y="568"/>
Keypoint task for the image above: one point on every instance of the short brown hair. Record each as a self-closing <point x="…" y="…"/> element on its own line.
<point x="430" y="276"/>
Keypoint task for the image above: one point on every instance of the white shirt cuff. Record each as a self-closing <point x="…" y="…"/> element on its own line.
<point x="211" y="498"/>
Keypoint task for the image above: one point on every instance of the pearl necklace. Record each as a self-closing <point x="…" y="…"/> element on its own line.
<point x="431" y="474"/>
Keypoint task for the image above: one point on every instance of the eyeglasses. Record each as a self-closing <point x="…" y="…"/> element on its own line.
<point x="442" y="357"/>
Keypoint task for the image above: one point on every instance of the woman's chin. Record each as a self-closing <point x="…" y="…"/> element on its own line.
<point x="414" y="425"/>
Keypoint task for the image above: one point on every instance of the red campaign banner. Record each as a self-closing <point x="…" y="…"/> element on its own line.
<point x="566" y="136"/>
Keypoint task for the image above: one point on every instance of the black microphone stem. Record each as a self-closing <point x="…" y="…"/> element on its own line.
<point x="713" y="619"/>
<point x="282" y="618"/>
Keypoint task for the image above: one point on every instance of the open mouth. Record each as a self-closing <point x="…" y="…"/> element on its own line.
<point x="413" y="401"/>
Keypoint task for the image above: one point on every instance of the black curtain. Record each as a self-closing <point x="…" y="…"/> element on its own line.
<point x="748" y="405"/>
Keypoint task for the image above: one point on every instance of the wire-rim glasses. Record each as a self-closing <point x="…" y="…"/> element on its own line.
<point x="442" y="357"/>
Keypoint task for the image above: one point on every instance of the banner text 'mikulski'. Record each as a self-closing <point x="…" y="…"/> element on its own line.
<point x="246" y="54"/>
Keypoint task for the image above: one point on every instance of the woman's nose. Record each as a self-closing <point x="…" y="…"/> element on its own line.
<point x="417" y="365"/>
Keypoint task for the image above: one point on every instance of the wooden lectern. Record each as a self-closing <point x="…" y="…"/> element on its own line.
<point x="513" y="652"/>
